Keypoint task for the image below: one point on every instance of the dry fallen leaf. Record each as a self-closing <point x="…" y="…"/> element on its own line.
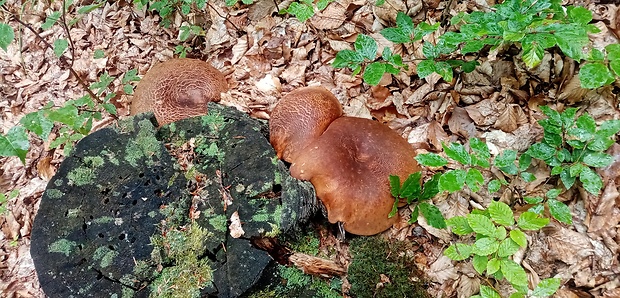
<point x="235" y="228"/>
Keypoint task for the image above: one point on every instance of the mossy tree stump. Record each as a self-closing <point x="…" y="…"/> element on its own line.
<point x="138" y="211"/>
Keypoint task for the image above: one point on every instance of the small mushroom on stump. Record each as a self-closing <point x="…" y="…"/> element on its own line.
<point x="348" y="163"/>
<point x="178" y="89"/>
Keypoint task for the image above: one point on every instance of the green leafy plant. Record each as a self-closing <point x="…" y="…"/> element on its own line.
<point x="497" y="238"/>
<point x="76" y="117"/>
<point x="166" y="8"/>
<point x="572" y="146"/>
<point x="412" y="191"/>
<point x="4" y="200"/>
<point x="304" y="9"/>
<point x="533" y="25"/>
<point x="366" y="50"/>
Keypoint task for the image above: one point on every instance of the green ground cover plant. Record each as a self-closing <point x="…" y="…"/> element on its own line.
<point x="532" y="25"/>
<point x="572" y="147"/>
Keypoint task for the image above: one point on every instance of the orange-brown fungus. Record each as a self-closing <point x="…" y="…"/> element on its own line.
<point x="300" y="117"/>
<point x="178" y="89"/>
<point x="348" y="160"/>
<point x="349" y="166"/>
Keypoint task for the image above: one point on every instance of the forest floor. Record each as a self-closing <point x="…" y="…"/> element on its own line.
<point x="265" y="55"/>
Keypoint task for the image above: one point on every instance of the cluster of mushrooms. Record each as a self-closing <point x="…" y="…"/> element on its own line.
<point x="347" y="159"/>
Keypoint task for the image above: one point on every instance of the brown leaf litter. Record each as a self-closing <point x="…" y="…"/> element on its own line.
<point x="265" y="55"/>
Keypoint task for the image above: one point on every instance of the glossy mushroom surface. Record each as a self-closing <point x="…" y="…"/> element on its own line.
<point x="178" y="89"/>
<point x="301" y="117"/>
<point x="349" y="166"/>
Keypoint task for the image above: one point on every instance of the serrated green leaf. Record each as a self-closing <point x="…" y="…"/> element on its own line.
<point x="547" y="287"/>
<point x="414" y="215"/>
<point x="485" y="246"/>
<point x="531" y="221"/>
<point x="457" y="152"/>
<point x="67" y="115"/>
<point x="518" y="237"/>
<point x="404" y="22"/>
<point x="560" y="211"/>
<point x="444" y="70"/>
<point x="469" y="66"/>
<point x="532" y="54"/>
<point x="528" y="177"/>
<point x="37" y="123"/>
<point x="541" y="151"/>
<point x="501" y="213"/>
<point x="596" y="55"/>
<point x="452" y="180"/>
<point x="571" y="41"/>
<point x="472" y="46"/>
<point x="395" y="185"/>
<point x="458" y="251"/>
<point x="110" y="108"/>
<point x="433" y="216"/>
<point x="366" y="46"/>
<point x="537" y="209"/>
<point x="493" y="266"/>
<point x="594" y="75"/>
<point x="320" y="5"/>
<point x="60" y="46"/>
<point x="494" y="185"/>
<point x="459" y="225"/>
<point x="576" y="169"/>
<point x="423" y="29"/>
<point x="425" y="68"/>
<point x="412" y="187"/>
<point x="507" y="247"/>
<point x="568" y="117"/>
<point x="431" y="187"/>
<point x="553" y="193"/>
<point x="15" y="143"/>
<point x="515" y="274"/>
<point x="524" y="162"/>
<point x="600" y="143"/>
<point x="579" y="14"/>
<point x="608" y="128"/>
<point x="500" y="233"/>
<point x="481" y="224"/>
<point x="50" y="20"/>
<point x="591" y="181"/>
<point x="7" y="35"/>
<point x="597" y="159"/>
<point x="613" y="51"/>
<point x="506" y="158"/>
<point x="567" y="179"/>
<point x="431" y="160"/>
<point x="480" y="149"/>
<point x="395" y="35"/>
<point x="474" y="179"/>
<point x="533" y="200"/>
<point x="301" y="11"/>
<point x="480" y="263"/>
<point x="347" y="58"/>
<point x="373" y="73"/>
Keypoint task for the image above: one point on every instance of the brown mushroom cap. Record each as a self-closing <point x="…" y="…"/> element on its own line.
<point x="349" y="166"/>
<point x="299" y="118"/>
<point x="178" y="89"/>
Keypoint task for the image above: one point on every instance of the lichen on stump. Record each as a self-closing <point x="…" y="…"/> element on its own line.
<point x="112" y="198"/>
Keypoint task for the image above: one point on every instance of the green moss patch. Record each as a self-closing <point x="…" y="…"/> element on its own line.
<point x="373" y="256"/>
